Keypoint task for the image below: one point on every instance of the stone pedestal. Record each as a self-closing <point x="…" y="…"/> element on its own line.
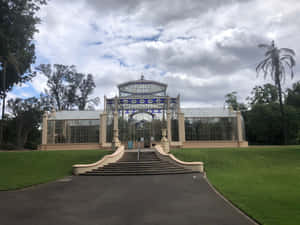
<point x="169" y="132"/>
<point x="102" y="136"/>
<point x="164" y="141"/>
<point x="115" y="142"/>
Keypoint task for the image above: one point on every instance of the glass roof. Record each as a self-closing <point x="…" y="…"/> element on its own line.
<point x="188" y="112"/>
<point x="142" y="87"/>
<point x="75" y="115"/>
<point x="208" y="112"/>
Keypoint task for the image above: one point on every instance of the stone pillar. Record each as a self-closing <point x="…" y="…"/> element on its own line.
<point x="65" y="131"/>
<point x="102" y="128"/>
<point x="181" y="127"/>
<point x="104" y="103"/>
<point x="169" y="133"/>
<point x="239" y="126"/>
<point x="116" y="141"/>
<point x="53" y="135"/>
<point x="45" y="128"/>
<point x="164" y="141"/>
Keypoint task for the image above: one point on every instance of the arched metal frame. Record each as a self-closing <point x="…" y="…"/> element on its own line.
<point x="143" y="96"/>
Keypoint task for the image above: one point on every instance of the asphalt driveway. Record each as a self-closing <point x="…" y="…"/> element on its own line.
<point x="123" y="200"/>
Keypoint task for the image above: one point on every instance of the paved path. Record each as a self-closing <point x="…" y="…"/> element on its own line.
<point x="123" y="200"/>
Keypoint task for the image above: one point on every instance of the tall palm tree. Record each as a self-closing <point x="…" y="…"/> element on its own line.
<point x="275" y="63"/>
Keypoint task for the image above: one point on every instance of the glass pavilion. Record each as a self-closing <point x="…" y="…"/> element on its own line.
<point x="137" y="117"/>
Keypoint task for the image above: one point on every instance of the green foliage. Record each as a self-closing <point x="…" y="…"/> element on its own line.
<point x="22" y="128"/>
<point x="17" y="53"/>
<point x="68" y="89"/>
<point x="275" y="63"/>
<point x="293" y="95"/>
<point x="263" y="182"/>
<point x="23" y="169"/>
<point x="264" y="94"/>
<point x="263" y="124"/>
<point x="231" y="101"/>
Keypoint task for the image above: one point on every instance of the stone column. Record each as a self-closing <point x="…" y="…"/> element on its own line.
<point x="116" y="141"/>
<point x="181" y="127"/>
<point x="65" y="132"/>
<point x="169" y="126"/>
<point x="239" y="126"/>
<point x="102" y="129"/>
<point x="53" y="135"/>
<point x="164" y="141"/>
<point x="45" y="128"/>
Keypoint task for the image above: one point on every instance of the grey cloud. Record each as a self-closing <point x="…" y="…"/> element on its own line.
<point x="156" y="11"/>
<point x="170" y="37"/>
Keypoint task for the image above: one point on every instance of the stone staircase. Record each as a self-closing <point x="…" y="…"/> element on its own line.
<point x="148" y="164"/>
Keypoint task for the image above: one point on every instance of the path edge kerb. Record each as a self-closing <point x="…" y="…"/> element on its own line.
<point x="240" y="211"/>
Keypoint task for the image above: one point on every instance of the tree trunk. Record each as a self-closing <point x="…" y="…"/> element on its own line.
<point x="3" y="102"/>
<point x="283" y="121"/>
<point x="25" y="137"/>
<point x="19" y="127"/>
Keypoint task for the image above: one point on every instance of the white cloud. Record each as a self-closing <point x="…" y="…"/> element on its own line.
<point x="202" y="49"/>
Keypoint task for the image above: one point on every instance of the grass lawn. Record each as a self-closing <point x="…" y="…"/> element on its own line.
<point x="264" y="182"/>
<point x="23" y="169"/>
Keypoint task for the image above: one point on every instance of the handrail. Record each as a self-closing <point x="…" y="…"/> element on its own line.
<point x="82" y="168"/>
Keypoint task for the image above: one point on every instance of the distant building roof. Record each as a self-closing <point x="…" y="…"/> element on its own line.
<point x="208" y="112"/>
<point x="73" y="115"/>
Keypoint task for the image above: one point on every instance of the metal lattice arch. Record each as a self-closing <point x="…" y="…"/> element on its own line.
<point x="138" y="114"/>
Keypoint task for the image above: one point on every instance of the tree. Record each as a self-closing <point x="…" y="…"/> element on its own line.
<point x="86" y="88"/>
<point x="263" y="124"/>
<point x="231" y="100"/>
<point x="68" y="89"/>
<point x="264" y="94"/>
<point x="58" y="76"/>
<point x="293" y="96"/>
<point x="27" y="115"/>
<point x="275" y="63"/>
<point x="17" y="27"/>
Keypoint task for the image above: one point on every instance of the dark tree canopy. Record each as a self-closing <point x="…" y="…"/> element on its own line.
<point x="231" y="101"/>
<point x="86" y="88"/>
<point x="264" y="94"/>
<point x="17" y="52"/>
<point x="27" y="115"/>
<point x="275" y="64"/>
<point x="67" y="88"/>
<point x="293" y="96"/>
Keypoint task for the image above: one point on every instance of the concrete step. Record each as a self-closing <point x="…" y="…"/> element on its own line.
<point x="141" y="166"/>
<point x="120" y="173"/>
<point x="149" y="164"/>
<point x="140" y="163"/>
<point x="137" y="168"/>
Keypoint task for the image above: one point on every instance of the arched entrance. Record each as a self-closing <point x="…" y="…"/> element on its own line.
<point x="140" y="112"/>
<point x="143" y="128"/>
<point x="142" y="125"/>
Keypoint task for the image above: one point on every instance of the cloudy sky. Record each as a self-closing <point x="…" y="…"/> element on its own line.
<point x="201" y="49"/>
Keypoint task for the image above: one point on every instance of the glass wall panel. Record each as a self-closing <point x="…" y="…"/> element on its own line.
<point x="73" y="131"/>
<point x="210" y="128"/>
